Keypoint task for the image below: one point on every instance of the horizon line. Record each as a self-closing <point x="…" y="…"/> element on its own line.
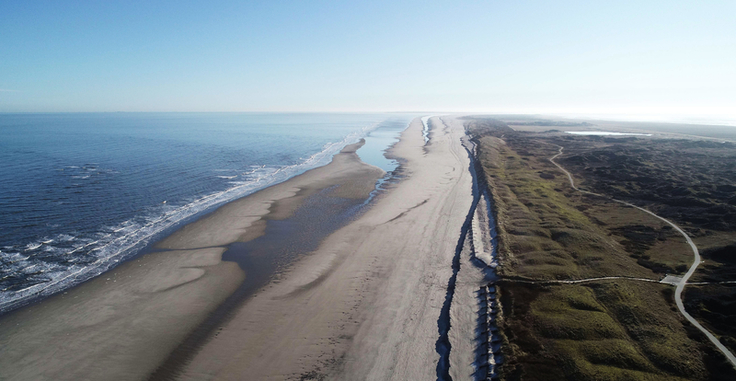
<point x="690" y="119"/>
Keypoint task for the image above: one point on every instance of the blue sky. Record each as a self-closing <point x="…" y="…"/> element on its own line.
<point x="645" y="57"/>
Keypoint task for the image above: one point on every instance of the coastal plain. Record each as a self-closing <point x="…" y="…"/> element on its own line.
<point x="478" y="259"/>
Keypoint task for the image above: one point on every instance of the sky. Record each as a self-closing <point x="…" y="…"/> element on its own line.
<point x="569" y="57"/>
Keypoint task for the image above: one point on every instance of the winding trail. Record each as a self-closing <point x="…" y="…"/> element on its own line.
<point x="576" y="281"/>
<point x="680" y="285"/>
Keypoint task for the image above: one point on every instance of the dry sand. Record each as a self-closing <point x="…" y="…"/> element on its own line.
<point x="366" y="304"/>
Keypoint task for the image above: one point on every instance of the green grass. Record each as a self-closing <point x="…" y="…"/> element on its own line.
<point x="543" y="232"/>
<point x="608" y="330"/>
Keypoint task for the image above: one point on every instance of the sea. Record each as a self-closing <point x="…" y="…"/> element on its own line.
<point x="83" y="192"/>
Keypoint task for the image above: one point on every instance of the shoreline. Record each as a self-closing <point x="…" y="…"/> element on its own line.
<point x="367" y="301"/>
<point x="106" y="326"/>
<point x="126" y="236"/>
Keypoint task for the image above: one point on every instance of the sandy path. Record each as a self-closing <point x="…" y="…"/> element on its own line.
<point x="366" y="304"/>
<point x="681" y="285"/>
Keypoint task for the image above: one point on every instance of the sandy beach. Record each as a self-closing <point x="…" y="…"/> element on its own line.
<point x="364" y="305"/>
<point x="123" y="324"/>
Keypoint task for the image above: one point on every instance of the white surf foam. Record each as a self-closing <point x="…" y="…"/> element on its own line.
<point x="425" y="130"/>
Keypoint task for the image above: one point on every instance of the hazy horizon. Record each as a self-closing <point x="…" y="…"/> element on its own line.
<point x="727" y="121"/>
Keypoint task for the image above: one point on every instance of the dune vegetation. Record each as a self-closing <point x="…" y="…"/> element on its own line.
<point x="603" y="329"/>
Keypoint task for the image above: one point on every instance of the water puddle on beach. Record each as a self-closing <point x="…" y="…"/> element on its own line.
<point x="284" y="240"/>
<point x="373" y="152"/>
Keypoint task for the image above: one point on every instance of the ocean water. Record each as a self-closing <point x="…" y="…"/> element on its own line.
<point x="80" y="193"/>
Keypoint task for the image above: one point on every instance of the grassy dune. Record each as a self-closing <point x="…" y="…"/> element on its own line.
<point x="605" y="330"/>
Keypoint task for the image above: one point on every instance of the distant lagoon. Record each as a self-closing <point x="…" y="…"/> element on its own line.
<point x="605" y="133"/>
